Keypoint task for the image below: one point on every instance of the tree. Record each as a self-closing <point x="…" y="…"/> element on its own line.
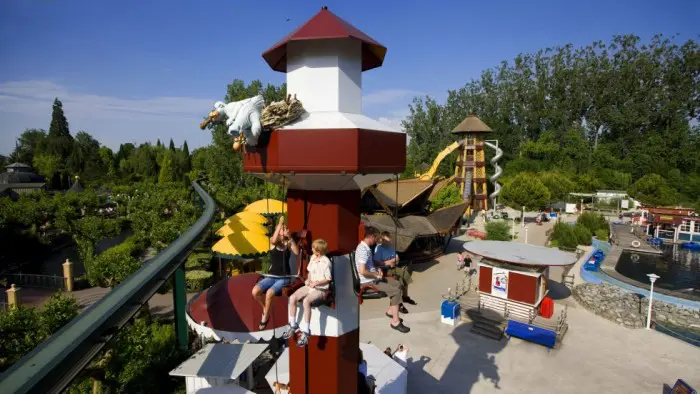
<point x="59" y="309"/>
<point x="29" y="144"/>
<point x="652" y="189"/>
<point x="47" y="165"/>
<point x="22" y="328"/>
<point x="85" y="159"/>
<point x="167" y="170"/>
<point x="186" y="149"/>
<point x="449" y="195"/>
<point x="498" y="230"/>
<point x="558" y="184"/>
<point x="59" y="141"/>
<point x="608" y="113"/>
<point x="114" y="265"/>
<point x="525" y="190"/>
<point x="172" y="145"/>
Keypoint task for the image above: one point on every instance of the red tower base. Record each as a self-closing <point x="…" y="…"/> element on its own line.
<point x="328" y="364"/>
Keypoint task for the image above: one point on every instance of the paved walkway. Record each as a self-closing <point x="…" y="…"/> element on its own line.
<point x="596" y="355"/>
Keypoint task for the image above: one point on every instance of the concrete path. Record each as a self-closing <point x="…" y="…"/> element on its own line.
<point x="596" y="355"/>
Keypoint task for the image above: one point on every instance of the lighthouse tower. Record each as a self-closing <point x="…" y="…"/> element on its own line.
<point x="325" y="159"/>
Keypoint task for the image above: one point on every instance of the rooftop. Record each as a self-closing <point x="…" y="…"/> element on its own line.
<point x="471" y="124"/>
<point x="323" y="26"/>
<point x="520" y="253"/>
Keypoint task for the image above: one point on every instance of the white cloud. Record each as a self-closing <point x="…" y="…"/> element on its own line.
<point x="394" y="118"/>
<point x="28" y="97"/>
<point x="115" y="120"/>
<point x="112" y="120"/>
<point x="389" y="96"/>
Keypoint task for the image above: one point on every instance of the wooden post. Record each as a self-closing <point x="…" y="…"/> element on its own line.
<point x="13" y="300"/>
<point x="68" y="275"/>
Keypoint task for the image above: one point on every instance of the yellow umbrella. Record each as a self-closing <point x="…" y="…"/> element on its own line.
<point x="249" y="217"/>
<point x="238" y="225"/>
<point x="242" y="244"/>
<point x="267" y="207"/>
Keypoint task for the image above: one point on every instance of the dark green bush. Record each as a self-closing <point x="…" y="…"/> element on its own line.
<point x="583" y="235"/>
<point x="592" y="221"/>
<point x="197" y="280"/>
<point x="602" y="235"/>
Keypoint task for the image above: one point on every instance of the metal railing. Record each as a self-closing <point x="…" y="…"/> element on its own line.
<point x="51" y="366"/>
<point x="35" y="280"/>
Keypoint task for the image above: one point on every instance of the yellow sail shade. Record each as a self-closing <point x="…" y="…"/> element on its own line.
<point x="238" y="225"/>
<point x="248" y="217"/>
<point x="242" y="244"/>
<point x="267" y="206"/>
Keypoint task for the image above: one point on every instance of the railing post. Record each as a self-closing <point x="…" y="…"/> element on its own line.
<point x="13" y="300"/>
<point x="68" y="275"/>
<point x="179" y="302"/>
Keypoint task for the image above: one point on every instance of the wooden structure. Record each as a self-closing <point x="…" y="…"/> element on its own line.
<point x="513" y="276"/>
<point x="470" y="168"/>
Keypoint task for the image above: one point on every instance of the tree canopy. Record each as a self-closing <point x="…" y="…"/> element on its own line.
<point x="603" y="115"/>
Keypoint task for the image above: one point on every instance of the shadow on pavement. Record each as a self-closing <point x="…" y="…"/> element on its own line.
<point x="473" y="360"/>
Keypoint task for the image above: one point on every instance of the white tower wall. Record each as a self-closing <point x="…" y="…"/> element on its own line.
<point x="326" y="75"/>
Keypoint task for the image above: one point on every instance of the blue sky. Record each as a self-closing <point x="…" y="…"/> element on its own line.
<point x="134" y="70"/>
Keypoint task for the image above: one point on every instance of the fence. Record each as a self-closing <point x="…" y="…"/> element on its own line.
<point x="34" y="280"/>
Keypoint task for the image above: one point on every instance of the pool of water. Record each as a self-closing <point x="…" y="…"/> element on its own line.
<point x="679" y="270"/>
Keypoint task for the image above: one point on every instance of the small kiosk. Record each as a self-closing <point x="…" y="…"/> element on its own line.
<point x="513" y="276"/>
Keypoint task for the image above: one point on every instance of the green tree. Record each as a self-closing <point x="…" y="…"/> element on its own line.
<point x="498" y="230"/>
<point x="652" y="189"/>
<point x="448" y="196"/>
<point x="19" y="334"/>
<point x="47" y="165"/>
<point x="114" y="265"/>
<point x="525" y="190"/>
<point x="59" y="141"/>
<point x="59" y="309"/>
<point x="167" y="170"/>
<point x="558" y="184"/>
<point x="30" y="143"/>
<point x="171" y="146"/>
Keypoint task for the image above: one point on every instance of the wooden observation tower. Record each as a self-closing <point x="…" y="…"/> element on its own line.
<point x="470" y="168"/>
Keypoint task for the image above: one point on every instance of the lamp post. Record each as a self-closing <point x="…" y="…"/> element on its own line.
<point x="525" y="234"/>
<point x="512" y="234"/>
<point x="652" y="278"/>
<point x="522" y="216"/>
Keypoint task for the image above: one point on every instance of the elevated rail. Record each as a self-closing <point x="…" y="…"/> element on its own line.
<point x="52" y="365"/>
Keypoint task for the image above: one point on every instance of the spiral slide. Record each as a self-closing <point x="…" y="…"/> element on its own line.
<point x="496" y="174"/>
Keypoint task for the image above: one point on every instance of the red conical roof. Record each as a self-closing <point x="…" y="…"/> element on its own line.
<point x="326" y="25"/>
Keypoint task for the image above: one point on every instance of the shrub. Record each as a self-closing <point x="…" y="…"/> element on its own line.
<point x="602" y="235"/>
<point x="197" y="280"/>
<point x="583" y="235"/>
<point x="564" y="236"/>
<point x="114" y="265"/>
<point x="498" y="231"/>
<point x="198" y="261"/>
<point x="593" y="222"/>
<point x="59" y="309"/>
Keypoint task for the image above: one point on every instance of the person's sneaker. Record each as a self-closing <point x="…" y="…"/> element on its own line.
<point x="303" y="339"/>
<point x="403" y="309"/>
<point x="290" y="332"/>
<point x="409" y="300"/>
<point x="400" y="328"/>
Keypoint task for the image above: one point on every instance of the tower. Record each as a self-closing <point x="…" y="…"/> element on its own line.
<point x="470" y="168"/>
<point x="325" y="159"/>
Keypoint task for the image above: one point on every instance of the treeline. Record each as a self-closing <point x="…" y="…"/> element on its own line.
<point x="58" y="156"/>
<point x="618" y="115"/>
